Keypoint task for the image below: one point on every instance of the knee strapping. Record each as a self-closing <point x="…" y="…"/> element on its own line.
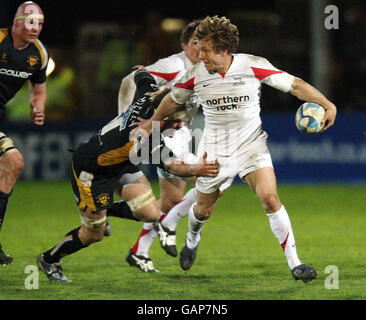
<point x="141" y="201"/>
<point x="6" y="145"/>
<point x="93" y="223"/>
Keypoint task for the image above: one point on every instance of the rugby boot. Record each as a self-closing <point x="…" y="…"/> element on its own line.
<point x="145" y="264"/>
<point x="5" y="258"/>
<point x="53" y="271"/>
<point x="167" y="239"/>
<point x="187" y="257"/>
<point x="303" y="272"/>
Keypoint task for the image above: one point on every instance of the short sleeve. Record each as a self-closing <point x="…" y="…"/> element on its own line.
<point x="265" y="72"/>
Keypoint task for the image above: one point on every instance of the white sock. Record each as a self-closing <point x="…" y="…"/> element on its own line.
<point x="281" y="227"/>
<point x="145" y="239"/>
<point x="194" y="229"/>
<point x="180" y="210"/>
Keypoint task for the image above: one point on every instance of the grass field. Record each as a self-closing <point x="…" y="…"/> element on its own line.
<point x="238" y="258"/>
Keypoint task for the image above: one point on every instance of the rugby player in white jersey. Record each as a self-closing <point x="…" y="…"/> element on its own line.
<point x="166" y="72"/>
<point x="228" y="88"/>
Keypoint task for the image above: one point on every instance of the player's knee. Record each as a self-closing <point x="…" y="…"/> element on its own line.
<point x="203" y="212"/>
<point x="92" y="229"/>
<point x="145" y="207"/>
<point x="148" y="213"/>
<point x="97" y="235"/>
<point x="271" y="202"/>
<point x="18" y="164"/>
<point x="93" y="235"/>
<point x="13" y="163"/>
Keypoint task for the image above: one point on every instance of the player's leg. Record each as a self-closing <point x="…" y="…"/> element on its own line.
<point x="198" y="215"/>
<point x="167" y="225"/>
<point x="263" y="183"/>
<point x="93" y="195"/>
<point x="91" y="231"/>
<point x="120" y="209"/>
<point x="11" y="165"/>
<point x="171" y="194"/>
<point x="146" y="209"/>
<point x="171" y="191"/>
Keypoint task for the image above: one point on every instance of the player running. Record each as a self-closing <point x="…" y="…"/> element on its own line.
<point x="98" y="164"/>
<point x="228" y="87"/>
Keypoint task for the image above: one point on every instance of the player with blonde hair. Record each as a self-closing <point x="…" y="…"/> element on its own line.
<point x="228" y="86"/>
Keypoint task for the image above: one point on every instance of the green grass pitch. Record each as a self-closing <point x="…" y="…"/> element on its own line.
<point x="238" y="259"/>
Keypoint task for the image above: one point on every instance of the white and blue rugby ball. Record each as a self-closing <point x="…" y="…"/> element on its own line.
<point x="308" y="118"/>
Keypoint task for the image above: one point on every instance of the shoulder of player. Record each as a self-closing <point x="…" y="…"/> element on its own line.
<point x="43" y="53"/>
<point x="173" y="63"/>
<point x="197" y="69"/>
<point x="253" y="61"/>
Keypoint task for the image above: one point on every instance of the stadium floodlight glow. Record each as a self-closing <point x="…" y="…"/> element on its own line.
<point x="172" y="24"/>
<point x="50" y="67"/>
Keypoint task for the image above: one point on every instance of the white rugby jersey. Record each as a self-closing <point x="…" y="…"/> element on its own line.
<point x="168" y="70"/>
<point x="232" y="100"/>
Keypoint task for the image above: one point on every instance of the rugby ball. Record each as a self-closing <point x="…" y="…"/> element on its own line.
<point x="308" y="118"/>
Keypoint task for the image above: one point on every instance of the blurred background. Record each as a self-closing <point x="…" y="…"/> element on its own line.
<point x="95" y="46"/>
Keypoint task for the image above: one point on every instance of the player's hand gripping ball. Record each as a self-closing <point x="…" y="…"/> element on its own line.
<point x="309" y="118"/>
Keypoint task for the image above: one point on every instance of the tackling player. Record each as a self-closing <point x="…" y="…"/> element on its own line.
<point x="98" y="164"/>
<point x="22" y="58"/>
<point x="166" y="72"/>
<point x="228" y="87"/>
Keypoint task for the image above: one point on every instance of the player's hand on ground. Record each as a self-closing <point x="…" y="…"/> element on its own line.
<point x="207" y="168"/>
<point x="329" y="117"/>
<point x="37" y="117"/>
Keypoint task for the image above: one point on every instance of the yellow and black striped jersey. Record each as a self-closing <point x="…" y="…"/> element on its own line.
<point x="109" y="148"/>
<point x="18" y="66"/>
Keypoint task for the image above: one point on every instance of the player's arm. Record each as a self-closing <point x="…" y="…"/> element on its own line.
<point x="201" y="168"/>
<point x="166" y="107"/>
<point x="306" y="92"/>
<point x="38" y="96"/>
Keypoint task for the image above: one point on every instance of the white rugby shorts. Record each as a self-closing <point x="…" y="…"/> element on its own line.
<point x="249" y="157"/>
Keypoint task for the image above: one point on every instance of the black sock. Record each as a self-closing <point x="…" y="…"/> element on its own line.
<point x="70" y="244"/>
<point x="121" y="209"/>
<point x="4" y="198"/>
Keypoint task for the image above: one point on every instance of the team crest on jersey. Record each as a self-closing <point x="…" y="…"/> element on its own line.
<point x="103" y="199"/>
<point x="3" y="57"/>
<point x="32" y="61"/>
